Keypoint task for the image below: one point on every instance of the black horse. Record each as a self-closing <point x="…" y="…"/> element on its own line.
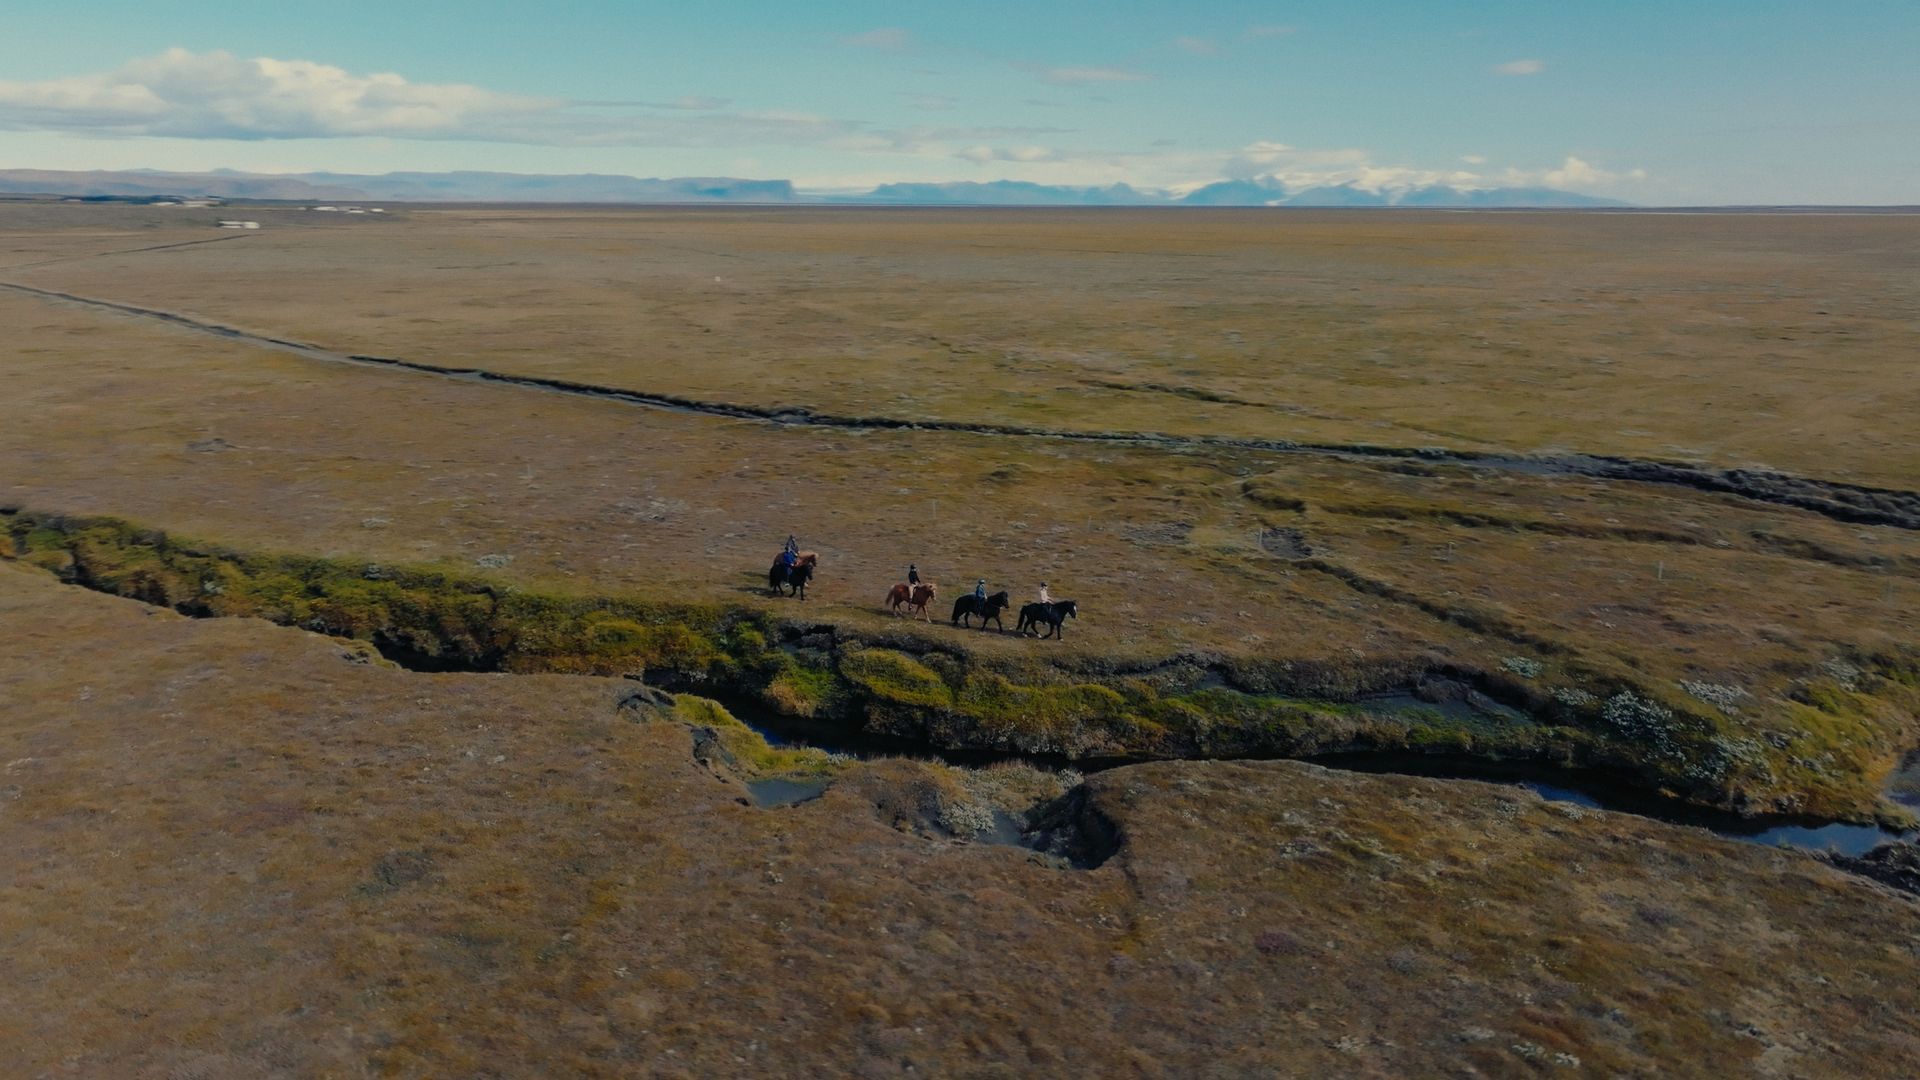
<point x="794" y="577"/>
<point x="968" y="605"/>
<point x="1032" y="615"/>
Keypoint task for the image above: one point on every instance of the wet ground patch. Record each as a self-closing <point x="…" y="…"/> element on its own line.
<point x="1286" y="543"/>
<point x="776" y="792"/>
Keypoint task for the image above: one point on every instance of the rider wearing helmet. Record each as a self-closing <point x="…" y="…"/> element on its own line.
<point x="980" y="589"/>
<point x="1045" y="597"/>
<point x="913" y="574"/>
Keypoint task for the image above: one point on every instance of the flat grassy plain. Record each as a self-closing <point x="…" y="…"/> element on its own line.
<point x="245" y="849"/>
<point x="239" y="850"/>
<point x="1739" y="340"/>
<point x="1553" y="593"/>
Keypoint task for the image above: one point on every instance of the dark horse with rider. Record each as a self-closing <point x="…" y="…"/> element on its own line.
<point x="973" y="605"/>
<point x="1052" y="614"/>
<point x="792" y="569"/>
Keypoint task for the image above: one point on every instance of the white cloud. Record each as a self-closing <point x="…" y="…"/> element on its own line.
<point x="1575" y="173"/>
<point x="218" y="95"/>
<point x="1297" y="168"/>
<point x="1197" y="46"/>
<point x="1474" y="159"/>
<point x="889" y="38"/>
<point x="1084" y="76"/>
<point x="1182" y="170"/>
<point x="1270" y="31"/>
<point x="1026" y="155"/>
<point x="1520" y="67"/>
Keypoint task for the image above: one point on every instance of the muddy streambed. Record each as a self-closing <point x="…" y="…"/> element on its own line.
<point x="1553" y="783"/>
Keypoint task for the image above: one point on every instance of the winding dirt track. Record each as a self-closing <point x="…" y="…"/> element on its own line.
<point x="1834" y="499"/>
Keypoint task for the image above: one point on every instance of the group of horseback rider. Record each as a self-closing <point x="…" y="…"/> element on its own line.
<point x="1045" y="610"/>
<point x="793" y="568"/>
<point x="915" y="595"/>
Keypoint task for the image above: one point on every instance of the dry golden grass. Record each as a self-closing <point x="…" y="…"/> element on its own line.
<point x="1737" y="340"/>
<point x="234" y="852"/>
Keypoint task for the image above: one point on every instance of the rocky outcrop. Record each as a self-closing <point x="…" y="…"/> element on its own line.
<point x="1896" y="864"/>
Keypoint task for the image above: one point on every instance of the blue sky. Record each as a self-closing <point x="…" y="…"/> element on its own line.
<point x="1678" y="102"/>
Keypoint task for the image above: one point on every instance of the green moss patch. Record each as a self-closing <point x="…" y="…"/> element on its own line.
<point x="748" y="751"/>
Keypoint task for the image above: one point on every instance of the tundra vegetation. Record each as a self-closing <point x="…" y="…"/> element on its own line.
<point x="237" y="849"/>
<point x="1313" y="479"/>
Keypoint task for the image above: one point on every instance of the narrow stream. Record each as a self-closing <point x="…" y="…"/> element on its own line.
<point x="1599" y="793"/>
<point x="1558" y="785"/>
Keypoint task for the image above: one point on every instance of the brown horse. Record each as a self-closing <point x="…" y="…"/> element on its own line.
<point x="796" y="578"/>
<point x="915" y="597"/>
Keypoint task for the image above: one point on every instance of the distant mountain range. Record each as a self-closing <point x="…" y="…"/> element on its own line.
<point x="597" y="188"/>
<point x="1270" y="192"/>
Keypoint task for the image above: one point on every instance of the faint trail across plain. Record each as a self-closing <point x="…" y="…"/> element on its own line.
<point x="125" y="251"/>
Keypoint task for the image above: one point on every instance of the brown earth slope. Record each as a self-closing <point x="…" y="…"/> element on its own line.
<point x="234" y="852"/>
